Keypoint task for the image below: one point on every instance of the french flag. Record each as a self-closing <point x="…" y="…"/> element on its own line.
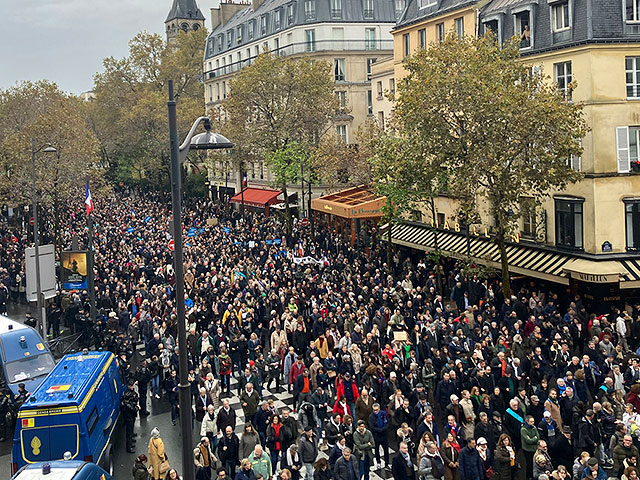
<point x="88" y="201"/>
<point x="133" y="214"/>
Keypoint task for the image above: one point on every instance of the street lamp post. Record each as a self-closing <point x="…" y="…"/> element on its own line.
<point x="36" y="237"/>
<point x="202" y="141"/>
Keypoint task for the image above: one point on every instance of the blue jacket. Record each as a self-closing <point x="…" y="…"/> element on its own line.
<point x="470" y="464"/>
<point x="601" y="473"/>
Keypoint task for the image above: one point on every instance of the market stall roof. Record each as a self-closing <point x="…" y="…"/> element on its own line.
<point x="256" y="197"/>
<point x="356" y="202"/>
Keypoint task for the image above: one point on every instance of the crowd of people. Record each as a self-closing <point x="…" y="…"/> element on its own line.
<point x="458" y="379"/>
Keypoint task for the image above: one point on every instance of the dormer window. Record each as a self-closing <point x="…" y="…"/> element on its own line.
<point x="251" y="30"/>
<point x="229" y="38"/>
<point x="290" y="14"/>
<point x="239" y="34"/>
<point x="263" y="25"/>
<point x="276" y="19"/>
<point x="399" y="5"/>
<point x="219" y="42"/>
<point x="368" y="9"/>
<point x="426" y="3"/>
<point x="522" y="24"/>
<point x="632" y="9"/>
<point x="560" y="16"/>
<point x="336" y="8"/>
<point x="310" y="10"/>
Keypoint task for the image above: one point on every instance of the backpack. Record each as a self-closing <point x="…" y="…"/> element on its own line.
<point x="437" y="468"/>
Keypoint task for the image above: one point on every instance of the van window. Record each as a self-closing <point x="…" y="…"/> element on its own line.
<point x="92" y="420"/>
<point x="29" y="368"/>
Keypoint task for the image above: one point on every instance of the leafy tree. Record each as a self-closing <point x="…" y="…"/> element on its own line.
<point x="129" y="114"/>
<point x="42" y="112"/>
<point x="501" y="130"/>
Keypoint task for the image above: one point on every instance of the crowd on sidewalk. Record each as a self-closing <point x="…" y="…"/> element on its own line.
<point x="441" y="367"/>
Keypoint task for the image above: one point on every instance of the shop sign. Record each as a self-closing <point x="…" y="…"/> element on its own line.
<point x="596" y="278"/>
<point x="474" y="231"/>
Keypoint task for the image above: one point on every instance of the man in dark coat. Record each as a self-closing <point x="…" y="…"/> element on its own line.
<point x="226" y="417"/>
<point x="228" y="451"/>
<point x="562" y="449"/>
<point x="401" y="466"/>
<point x="346" y="467"/>
<point x="470" y="463"/>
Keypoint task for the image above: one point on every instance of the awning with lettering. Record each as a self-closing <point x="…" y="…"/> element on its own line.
<point x="356" y="202"/>
<point x="607" y="271"/>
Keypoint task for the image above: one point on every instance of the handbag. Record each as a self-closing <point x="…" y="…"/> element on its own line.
<point x="165" y="466"/>
<point x="489" y="473"/>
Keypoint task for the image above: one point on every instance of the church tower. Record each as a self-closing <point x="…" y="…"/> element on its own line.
<point x="184" y="15"/>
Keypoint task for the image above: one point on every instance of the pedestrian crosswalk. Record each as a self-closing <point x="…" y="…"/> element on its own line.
<point x="282" y="399"/>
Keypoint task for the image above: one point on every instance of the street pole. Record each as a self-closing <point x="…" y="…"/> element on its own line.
<point x="36" y="242"/>
<point x="242" y="187"/>
<point x="184" y="386"/>
<point x="302" y="205"/>
<point x="90" y="276"/>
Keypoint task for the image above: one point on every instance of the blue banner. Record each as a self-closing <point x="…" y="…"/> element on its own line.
<point x="226" y="230"/>
<point x="147" y="219"/>
<point x="130" y="229"/>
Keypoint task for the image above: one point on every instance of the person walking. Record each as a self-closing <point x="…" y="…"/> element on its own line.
<point x="249" y="400"/>
<point x="363" y="445"/>
<point x="248" y="440"/>
<point x="156" y="453"/>
<point x="379" y="426"/>
<point x="308" y="450"/>
<point x="529" y="437"/>
<point x="140" y="470"/>
<point x="209" y="428"/>
<point x="346" y="467"/>
<point x="470" y="463"/>
<point x="431" y="463"/>
<point x="246" y="471"/>
<point x="204" y="459"/>
<point x="276" y="437"/>
<point x="228" y="451"/>
<point x="402" y="466"/>
<point x="261" y="463"/>
<point x="129" y="405"/>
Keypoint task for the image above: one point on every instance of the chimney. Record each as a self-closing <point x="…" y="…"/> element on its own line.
<point x="216" y="18"/>
<point x="222" y="14"/>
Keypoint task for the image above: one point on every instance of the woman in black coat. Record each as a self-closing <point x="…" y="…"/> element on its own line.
<point x="292" y="461"/>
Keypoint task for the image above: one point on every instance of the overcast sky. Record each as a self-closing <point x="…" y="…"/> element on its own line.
<point x="65" y="41"/>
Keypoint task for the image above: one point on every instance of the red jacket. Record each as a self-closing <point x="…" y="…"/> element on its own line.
<point x="354" y="389"/>
<point x="337" y="408"/>
<point x="295" y="371"/>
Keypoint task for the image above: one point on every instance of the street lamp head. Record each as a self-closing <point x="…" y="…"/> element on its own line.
<point x="50" y="149"/>
<point x="210" y="141"/>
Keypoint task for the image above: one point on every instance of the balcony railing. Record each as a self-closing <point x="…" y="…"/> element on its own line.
<point x="306" y="47"/>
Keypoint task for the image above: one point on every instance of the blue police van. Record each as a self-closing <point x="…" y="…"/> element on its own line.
<point x="75" y="410"/>
<point x="62" y="470"/>
<point x="24" y="357"/>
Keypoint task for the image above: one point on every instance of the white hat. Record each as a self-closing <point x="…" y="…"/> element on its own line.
<point x="482" y="441"/>
<point x="546" y="414"/>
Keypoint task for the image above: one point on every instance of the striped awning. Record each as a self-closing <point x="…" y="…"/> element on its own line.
<point x="523" y="258"/>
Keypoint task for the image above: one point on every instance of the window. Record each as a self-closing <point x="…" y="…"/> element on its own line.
<point x="528" y="210"/>
<point x="523" y="29"/>
<point x="440" y="32"/>
<point x="276" y="44"/>
<point x="368" y="9"/>
<point x="560" y="16"/>
<point x="229" y="38"/>
<point x="492" y="26"/>
<point x="341" y="130"/>
<point x="239" y="59"/>
<point x="426" y="3"/>
<point x="310" y="40"/>
<point x="336" y="8"/>
<point x="569" y="223"/>
<point x="239" y="34"/>
<point x="406" y="45"/>
<point x="632" y="223"/>
<point x="251" y="28"/>
<point x="440" y="219"/>
<point x="379" y="89"/>
<point x="381" y="119"/>
<point x="276" y="19"/>
<point x="460" y="28"/>
<point x="392" y="86"/>
<point x="422" y="38"/>
<point x="92" y="420"/>
<point x="369" y="102"/>
<point x="370" y="39"/>
<point x="310" y="9"/>
<point x="224" y="89"/>
<point x="290" y="14"/>
<point x="257" y="50"/>
<point x="632" y="67"/>
<point x="370" y="62"/>
<point x="248" y="56"/>
<point x="399" y="4"/>
<point x="633" y="11"/>
<point x="338" y="69"/>
<point x="217" y="91"/>
<point x="342" y="98"/>
<point x="263" y="24"/>
<point x="627" y="142"/>
<point x="575" y="162"/>
<point x="562" y="72"/>
<point x="210" y="91"/>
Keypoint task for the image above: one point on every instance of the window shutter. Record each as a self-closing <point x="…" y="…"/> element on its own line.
<point x="576" y="162"/>
<point x="622" y="142"/>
